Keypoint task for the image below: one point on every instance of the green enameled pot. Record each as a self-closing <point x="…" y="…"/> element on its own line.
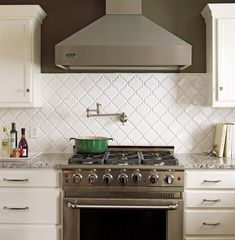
<point x="91" y="144"/>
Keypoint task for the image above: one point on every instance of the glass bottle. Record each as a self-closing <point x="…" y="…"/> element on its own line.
<point x="23" y="145"/>
<point x="13" y="137"/>
<point x="5" y="143"/>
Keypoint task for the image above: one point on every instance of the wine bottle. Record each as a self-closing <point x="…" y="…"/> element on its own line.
<point x="23" y="145"/>
<point x="5" y="143"/>
<point x="13" y="137"/>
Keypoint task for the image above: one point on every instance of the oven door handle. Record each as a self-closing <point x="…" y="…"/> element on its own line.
<point x="172" y="206"/>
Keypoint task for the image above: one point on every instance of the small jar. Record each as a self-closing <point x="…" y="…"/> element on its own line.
<point x="16" y="153"/>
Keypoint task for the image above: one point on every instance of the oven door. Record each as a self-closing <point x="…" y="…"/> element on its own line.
<point x="122" y="219"/>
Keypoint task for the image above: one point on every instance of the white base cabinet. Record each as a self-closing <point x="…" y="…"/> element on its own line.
<point x="220" y="44"/>
<point x="28" y="232"/>
<point x="209" y="199"/>
<point x="20" y="48"/>
<point x="30" y="204"/>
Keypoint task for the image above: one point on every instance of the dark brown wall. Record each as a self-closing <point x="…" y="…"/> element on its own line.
<point x="64" y="17"/>
<point x="183" y="18"/>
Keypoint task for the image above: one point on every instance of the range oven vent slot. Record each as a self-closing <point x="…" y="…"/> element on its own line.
<point x="124" y="195"/>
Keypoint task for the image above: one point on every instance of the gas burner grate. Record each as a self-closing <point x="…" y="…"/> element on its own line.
<point x="135" y="157"/>
<point x="87" y="158"/>
<point x="122" y="158"/>
<point x="159" y="158"/>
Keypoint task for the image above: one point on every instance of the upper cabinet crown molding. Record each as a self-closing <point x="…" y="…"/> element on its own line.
<point x="22" y="11"/>
<point x="219" y="10"/>
<point x="220" y="45"/>
<point x="20" y="58"/>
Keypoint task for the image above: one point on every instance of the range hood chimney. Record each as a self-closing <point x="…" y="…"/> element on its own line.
<point x="123" y="40"/>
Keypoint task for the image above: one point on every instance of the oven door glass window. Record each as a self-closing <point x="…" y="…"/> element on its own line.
<point x="122" y="224"/>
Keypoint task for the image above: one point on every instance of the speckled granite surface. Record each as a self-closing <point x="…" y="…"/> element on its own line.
<point x="44" y="160"/>
<point x="57" y="160"/>
<point x="203" y="161"/>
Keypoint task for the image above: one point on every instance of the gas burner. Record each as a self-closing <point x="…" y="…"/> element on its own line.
<point x="159" y="158"/>
<point x="122" y="158"/>
<point x="87" y="158"/>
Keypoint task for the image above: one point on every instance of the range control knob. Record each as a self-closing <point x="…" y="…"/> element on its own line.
<point x="153" y="178"/>
<point x="123" y="179"/>
<point x="136" y="177"/>
<point x="169" y="179"/>
<point x="92" y="178"/>
<point x="77" y="178"/>
<point x="107" y="178"/>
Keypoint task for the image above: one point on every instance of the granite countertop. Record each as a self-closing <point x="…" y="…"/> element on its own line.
<point x="43" y="160"/>
<point x="204" y="161"/>
<point x="58" y="160"/>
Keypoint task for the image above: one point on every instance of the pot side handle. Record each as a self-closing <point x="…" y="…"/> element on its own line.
<point x="71" y="139"/>
<point x="110" y="139"/>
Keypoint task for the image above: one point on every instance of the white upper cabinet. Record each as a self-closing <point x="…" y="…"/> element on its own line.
<point x="220" y="43"/>
<point x="20" y="51"/>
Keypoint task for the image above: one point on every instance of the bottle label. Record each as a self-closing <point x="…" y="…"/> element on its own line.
<point x="23" y="152"/>
<point x="12" y="141"/>
<point x="4" y="143"/>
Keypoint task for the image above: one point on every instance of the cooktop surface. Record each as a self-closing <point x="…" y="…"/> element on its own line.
<point x="126" y="155"/>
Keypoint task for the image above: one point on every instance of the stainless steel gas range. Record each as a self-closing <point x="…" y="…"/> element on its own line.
<point x="124" y="193"/>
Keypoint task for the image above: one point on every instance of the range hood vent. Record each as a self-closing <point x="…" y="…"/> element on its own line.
<point x="123" y="40"/>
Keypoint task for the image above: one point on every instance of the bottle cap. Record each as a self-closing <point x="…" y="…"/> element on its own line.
<point x="23" y="131"/>
<point x="13" y="126"/>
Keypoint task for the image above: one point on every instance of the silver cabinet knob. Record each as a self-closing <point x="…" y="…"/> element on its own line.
<point x="221" y="88"/>
<point x="27" y="90"/>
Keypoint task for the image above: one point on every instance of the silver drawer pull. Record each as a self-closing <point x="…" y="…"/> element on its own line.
<point x="211" y="200"/>
<point x="15" y="180"/>
<point x="16" y="208"/>
<point x="211" y="224"/>
<point x="211" y="181"/>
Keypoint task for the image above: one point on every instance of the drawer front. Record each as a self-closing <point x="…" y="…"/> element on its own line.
<point x="30" y="178"/>
<point x="210" y="222"/>
<point x="209" y="199"/>
<point x="209" y="238"/>
<point x="30" y="206"/>
<point x="210" y="179"/>
<point x="27" y="232"/>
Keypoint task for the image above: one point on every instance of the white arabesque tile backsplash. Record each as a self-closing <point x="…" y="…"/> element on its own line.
<point x="162" y="109"/>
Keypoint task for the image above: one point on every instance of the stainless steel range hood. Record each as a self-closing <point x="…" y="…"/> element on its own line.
<point x="123" y="39"/>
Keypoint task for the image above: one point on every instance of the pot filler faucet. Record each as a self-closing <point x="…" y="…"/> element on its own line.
<point x="122" y="116"/>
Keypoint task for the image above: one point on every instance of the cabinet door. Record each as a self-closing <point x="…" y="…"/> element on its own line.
<point x="29" y="232"/>
<point x="30" y="206"/>
<point x="46" y="178"/>
<point x="225" y="60"/>
<point x="209" y="199"/>
<point x="15" y="61"/>
<point x="210" y="179"/>
<point x="210" y="222"/>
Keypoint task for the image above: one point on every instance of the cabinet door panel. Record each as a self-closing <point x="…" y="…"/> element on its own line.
<point x="221" y="179"/>
<point x="29" y="206"/>
<point x="209" y="199"/>
<point x="214" y="238"/>
<point x="27" y="232"/>
<point x="210" y="222"/>
<point x="225" y="61"/>
<point x="14" y="61"/>
<point x="30" y="178"/>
